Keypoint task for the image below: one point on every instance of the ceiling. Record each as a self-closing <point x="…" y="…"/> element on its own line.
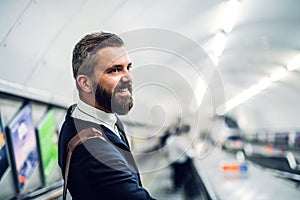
<point x="169" y="42"/>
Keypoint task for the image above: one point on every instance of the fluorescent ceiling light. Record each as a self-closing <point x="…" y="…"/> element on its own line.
<point x="263" y="84"/>
<point x="294" y="63"/>
<point x="200" y="90"/>
<point x="214" y="59"/>
<point x="232" y="11"/>
<point x="278" y="74"/>
<point x="242" y="97"/>
<point x="218" y="43"/>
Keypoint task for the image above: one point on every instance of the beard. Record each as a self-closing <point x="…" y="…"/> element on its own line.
<point x="113" y="102"/>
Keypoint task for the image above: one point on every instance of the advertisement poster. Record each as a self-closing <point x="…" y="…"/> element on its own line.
<point x="24" y="144"/>
<point x="3" y="155"/>
<point x="48" y="143"/>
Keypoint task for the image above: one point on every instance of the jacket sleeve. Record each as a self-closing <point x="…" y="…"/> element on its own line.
<point x="103" y="173"/>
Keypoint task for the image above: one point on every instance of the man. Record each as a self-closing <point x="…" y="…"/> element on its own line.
<point x="180" y="155"/>
<point x="101" y="169"/>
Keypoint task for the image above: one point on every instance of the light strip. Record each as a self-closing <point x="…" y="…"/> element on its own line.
<point x="278" y="74"/>
<point x="200" y="90"/>
<point x="218" y="44"/>
<point x="294" y="63"/>
<point x="247" y="94"/>
<point x="242" y="97"/>
<point x="232" y="10"/>
<point x="214" y="59"/>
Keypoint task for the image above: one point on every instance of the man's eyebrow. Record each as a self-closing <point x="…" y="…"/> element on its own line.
<point x="120" y="65"/>
<point x="116" y="66"/>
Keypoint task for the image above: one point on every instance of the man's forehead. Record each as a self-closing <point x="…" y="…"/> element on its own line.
<point x="113" y="54"/>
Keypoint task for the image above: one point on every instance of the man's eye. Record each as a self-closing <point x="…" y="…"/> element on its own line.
<point x="114" y="70"/>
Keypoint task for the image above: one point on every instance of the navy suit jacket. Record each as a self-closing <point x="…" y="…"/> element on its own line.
<point x="99" y="169"/>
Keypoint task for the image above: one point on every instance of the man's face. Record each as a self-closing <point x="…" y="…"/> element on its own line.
<point x="112" y="81"/>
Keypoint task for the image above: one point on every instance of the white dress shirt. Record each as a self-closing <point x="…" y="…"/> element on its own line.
<point x="89" y="113"/>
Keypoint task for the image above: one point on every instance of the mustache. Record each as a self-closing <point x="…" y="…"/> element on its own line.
<point x="123" y="85"/>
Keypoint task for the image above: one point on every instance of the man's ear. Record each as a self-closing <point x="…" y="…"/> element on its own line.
<point x="85" y="83"/>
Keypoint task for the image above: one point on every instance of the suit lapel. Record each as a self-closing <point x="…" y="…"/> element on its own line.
<point x="122" y="132"/>
<point x="113" y="138"/>
<point x="129" y="155"/>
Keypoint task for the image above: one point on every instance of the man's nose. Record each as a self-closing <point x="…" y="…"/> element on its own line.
<point x="127" y="77"/>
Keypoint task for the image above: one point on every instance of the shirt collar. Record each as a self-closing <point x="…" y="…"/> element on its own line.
<point x="93" y="113"/>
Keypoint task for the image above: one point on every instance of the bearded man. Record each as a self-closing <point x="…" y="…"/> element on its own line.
<point x="101" y="168"/>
